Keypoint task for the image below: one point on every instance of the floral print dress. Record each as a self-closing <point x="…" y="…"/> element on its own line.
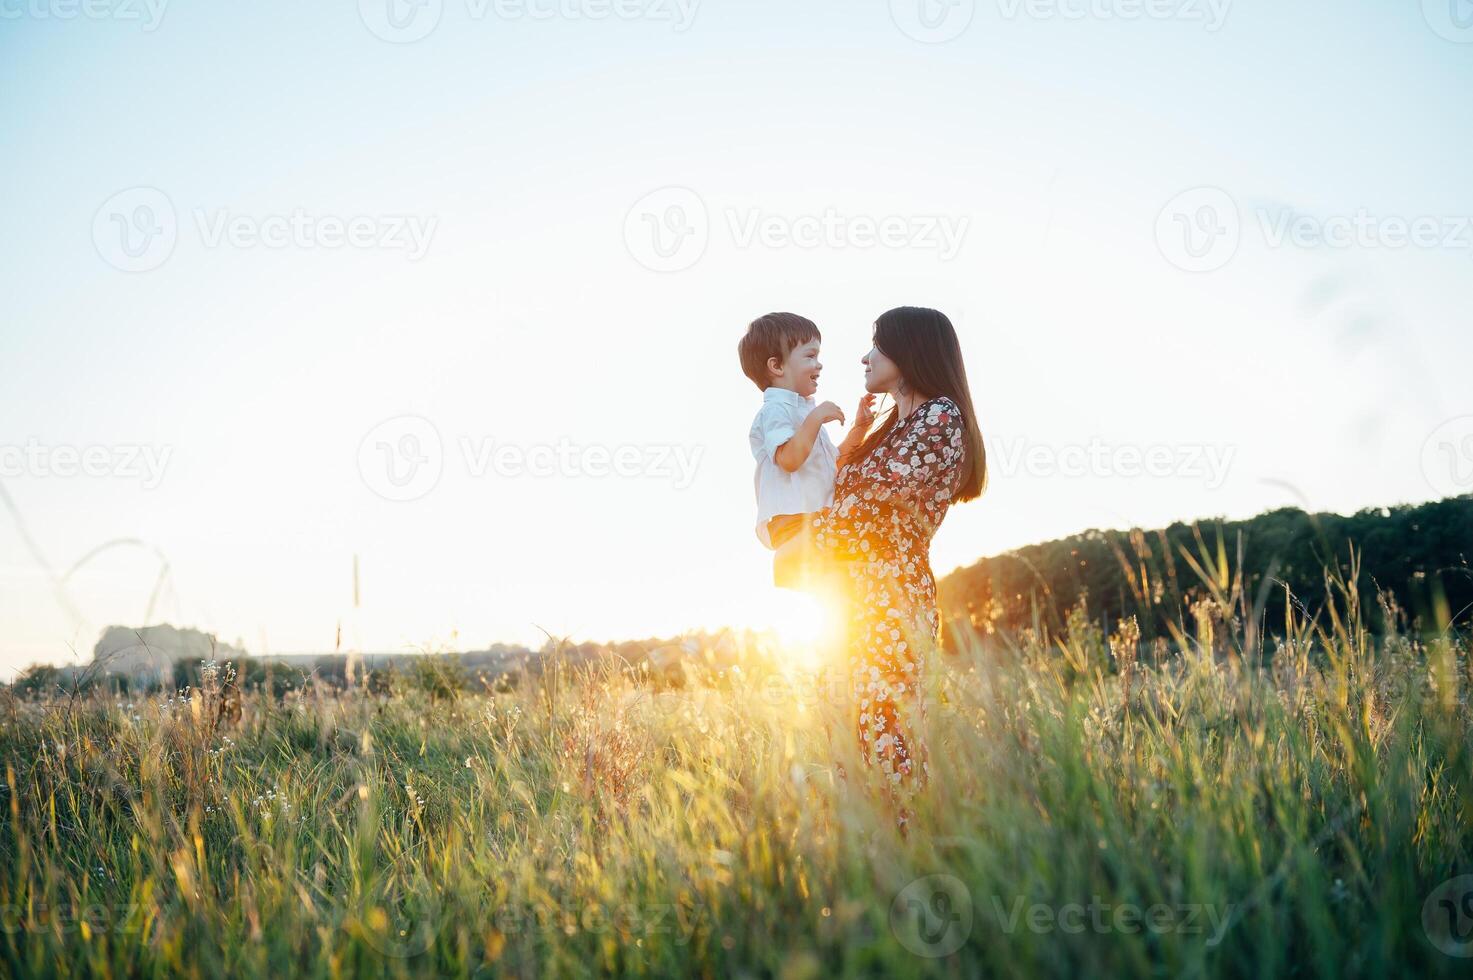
<point x="886" y="509"/>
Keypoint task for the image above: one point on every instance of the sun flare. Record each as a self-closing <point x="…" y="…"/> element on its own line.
<point x="807" y="626"/>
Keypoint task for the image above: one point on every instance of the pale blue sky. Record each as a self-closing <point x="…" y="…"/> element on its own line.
<point x="529" y="320"/>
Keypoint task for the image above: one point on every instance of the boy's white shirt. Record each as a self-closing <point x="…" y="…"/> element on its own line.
<point x="808" y="488"/>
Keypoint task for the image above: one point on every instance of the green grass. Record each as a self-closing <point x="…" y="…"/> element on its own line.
<point x="1233" y="811"/>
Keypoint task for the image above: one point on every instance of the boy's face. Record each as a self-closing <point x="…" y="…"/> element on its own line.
<point x="799" y="373"/>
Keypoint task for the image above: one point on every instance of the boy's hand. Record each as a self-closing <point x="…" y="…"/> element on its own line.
<point x="829" y="412"/>
<point x="864" y="416"/>
<point x="792" y="454"/>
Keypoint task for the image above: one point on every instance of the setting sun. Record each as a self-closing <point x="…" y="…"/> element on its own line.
<point x="807" y="626"/>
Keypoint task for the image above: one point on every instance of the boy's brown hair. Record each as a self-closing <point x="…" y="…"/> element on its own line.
<point x="773" y="335"/>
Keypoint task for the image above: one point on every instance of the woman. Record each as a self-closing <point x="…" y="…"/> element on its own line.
<point x="890" y="496"/>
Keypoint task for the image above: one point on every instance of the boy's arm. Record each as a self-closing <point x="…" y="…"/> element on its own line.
<point x="794" y="453"/>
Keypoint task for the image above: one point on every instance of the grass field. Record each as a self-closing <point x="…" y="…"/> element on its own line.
<point x="1291" y="807"/>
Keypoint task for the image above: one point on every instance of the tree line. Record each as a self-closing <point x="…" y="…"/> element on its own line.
<point x="1410" y="563"/>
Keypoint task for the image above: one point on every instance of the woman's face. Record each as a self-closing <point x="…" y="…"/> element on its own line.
<point x="881" y="376"/>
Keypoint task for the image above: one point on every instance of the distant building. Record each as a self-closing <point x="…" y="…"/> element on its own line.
<point x="147" y="656"/>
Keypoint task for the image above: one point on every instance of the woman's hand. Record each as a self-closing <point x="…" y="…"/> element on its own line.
<point x="864" y="417"/>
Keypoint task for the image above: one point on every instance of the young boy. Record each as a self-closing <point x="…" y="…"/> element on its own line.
<point x="796" y="460"/>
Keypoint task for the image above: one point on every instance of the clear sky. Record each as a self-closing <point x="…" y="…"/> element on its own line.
<point x="270" y="265"/>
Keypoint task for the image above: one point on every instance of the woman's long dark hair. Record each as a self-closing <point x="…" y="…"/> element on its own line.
<point x="923" y="345"/>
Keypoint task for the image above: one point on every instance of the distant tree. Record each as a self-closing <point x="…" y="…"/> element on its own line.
<point x="380" y="682"/>
<point x="1420" y="555"/>
<point x="37" y="681"/>
<point x="441" y="676"/>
